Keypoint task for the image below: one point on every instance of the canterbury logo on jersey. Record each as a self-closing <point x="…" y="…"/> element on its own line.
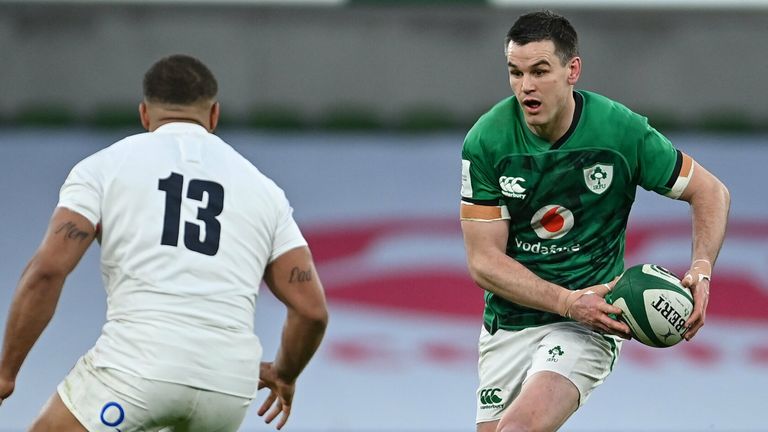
<point x="510" y="186"/>
<point x="488" y="396"/>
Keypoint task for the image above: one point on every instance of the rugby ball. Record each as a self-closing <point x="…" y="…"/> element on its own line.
<point x="654" y="304"/>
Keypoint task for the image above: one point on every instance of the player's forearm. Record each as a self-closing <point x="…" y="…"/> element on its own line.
<point x="301" y="337"/>
<point x="512" y="281"/>
<point x="709" y="218"/>
<point x="32" y="308"/>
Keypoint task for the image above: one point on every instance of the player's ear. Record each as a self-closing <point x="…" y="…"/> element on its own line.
<point x="144" y="115"/>
<point x="574" y="70"/>
<point x="214" y="116"/>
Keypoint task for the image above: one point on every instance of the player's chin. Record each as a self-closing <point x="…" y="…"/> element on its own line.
<point x="535" y="119"/>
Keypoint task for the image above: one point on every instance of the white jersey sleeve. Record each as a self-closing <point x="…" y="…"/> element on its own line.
<point x="82" y="190"/>
<point x="287" y="235"/>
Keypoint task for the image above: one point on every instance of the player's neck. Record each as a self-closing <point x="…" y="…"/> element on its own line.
<point x="165" y="120"/>
<point x="153" y="115"/>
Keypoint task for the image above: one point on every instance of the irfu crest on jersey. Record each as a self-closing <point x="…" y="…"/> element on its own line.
<point x="598" y="177"/>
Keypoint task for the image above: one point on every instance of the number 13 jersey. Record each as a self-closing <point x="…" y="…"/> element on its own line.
<point x="187" y="226"/>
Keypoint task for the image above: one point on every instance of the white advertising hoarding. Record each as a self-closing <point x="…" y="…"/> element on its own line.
<point x="380" y="213"/>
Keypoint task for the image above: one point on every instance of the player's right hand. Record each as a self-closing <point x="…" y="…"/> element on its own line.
<point x="588" y="306"/>
<point x="280" y="395"/>
<point x="697" y="279"/>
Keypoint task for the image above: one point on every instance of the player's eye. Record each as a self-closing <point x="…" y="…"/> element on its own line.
<point x="516" y="73"/>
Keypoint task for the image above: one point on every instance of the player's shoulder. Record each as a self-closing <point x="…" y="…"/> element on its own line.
<point x="606" y="109"/>
<point x="494" y="125"/>
<point x="106" y="157"/>
<point x="126" y="144"/>
<point x="243" y="170"/>
<point x="612" y="124"/>
<point x="237" y="161"/>
<point x="502" y="115"/>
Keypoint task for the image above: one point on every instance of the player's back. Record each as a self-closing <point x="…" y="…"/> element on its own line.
<point x="187" y="228"/>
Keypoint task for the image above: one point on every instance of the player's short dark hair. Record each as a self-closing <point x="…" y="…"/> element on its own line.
<point x="545" y="25"/>
<point x="180" y="80"/>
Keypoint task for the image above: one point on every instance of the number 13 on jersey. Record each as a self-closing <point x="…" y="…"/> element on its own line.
<point x="173" y="186"/>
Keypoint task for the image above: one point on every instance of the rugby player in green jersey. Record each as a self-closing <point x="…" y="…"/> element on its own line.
<point x="548" y="179"/>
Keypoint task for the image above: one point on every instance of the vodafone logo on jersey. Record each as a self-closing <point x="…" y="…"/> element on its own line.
<point x="552" y="222"/>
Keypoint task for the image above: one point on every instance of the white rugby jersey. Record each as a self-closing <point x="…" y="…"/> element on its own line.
<point x="187" y="227"/>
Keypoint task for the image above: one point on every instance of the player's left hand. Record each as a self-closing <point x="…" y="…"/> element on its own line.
<point x="280" y="395"/>
<point x="697" y="279"/>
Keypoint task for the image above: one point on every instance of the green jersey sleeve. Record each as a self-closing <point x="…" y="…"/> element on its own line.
<point x="478" y="182"/>
<point x="658" y="161"/>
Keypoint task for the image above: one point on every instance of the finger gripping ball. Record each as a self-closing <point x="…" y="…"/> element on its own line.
<point x="654" y="304"/>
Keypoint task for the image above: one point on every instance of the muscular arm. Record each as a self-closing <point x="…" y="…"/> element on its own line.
<point x="494" y="271"/>
<point x="37" y="294"/>
<point x="710" y="202"/>
<point x="292" y="278"/>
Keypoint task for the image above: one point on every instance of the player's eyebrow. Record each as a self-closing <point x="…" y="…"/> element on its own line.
<point x="538" y="63"/>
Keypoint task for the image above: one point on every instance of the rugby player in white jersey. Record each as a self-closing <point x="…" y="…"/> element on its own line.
<point x="188" y="229"/>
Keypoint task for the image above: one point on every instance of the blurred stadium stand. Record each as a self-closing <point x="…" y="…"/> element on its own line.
<point x="362" y="64"/>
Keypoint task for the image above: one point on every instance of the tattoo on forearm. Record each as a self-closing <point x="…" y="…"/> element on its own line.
<point x="71" y="231"/>
<point x="299" y="275"/>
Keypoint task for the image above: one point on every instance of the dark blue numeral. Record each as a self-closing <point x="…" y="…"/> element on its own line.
<point x="210" y="244"/>
<point x="198" y="189"/>
<point x="172" y="186"/>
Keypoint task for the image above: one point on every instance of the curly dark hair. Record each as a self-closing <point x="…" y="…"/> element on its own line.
<point x="179" y="79"/>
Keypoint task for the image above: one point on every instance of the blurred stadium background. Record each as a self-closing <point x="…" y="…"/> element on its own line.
<point x="358" y="109"/>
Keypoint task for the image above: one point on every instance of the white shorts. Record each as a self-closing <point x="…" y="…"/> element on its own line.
<point x="107" y="400"/>
<point x="509" y="358"/>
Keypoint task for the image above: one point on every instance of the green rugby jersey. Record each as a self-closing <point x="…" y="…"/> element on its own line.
<point x="569" y="201"/>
